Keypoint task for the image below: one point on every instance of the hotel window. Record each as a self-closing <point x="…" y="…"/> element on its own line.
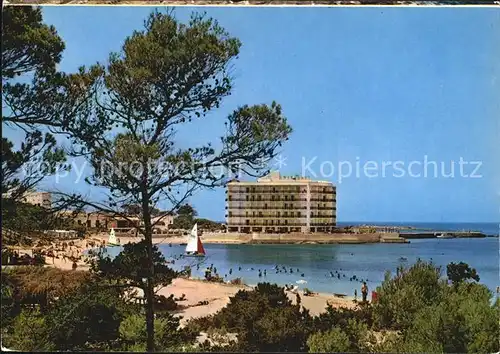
<point x="285" y="214"/>
<point x="286" y="222"/>
<point x="286" y="197"/>
<point x="253" y="189"/>
<point x="272" y="197"/>
<point x="253" y="213"/>
<point x="246" y="214"/>
<point x="247" y="197"/>
<point x="298" y="214"/>
<point x="258" y="197"/>
<point x="248" y="189"/>
<point x="230" y="214"/>
<point x="272" y="222"/>
<point x="260" y="214"/>
<point x="292" y="197"/>
<point x="253" y="197"/>
<point x="274" y="189"/>
<point x="265" y="222"/>
<point x="286" y="206"/>
<point x="265" y="206"/>
<point x="279" y="214"/>
<point x="247" y="222"/>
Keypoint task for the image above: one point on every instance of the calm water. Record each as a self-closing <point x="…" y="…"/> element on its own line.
<point x="366" y="261"/>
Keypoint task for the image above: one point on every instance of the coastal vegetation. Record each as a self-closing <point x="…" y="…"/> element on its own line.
<point x="187" y="216"/>
<point x="417" y="310"/>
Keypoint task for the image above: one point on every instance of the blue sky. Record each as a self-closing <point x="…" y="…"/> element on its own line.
<point x="357" y="84"/>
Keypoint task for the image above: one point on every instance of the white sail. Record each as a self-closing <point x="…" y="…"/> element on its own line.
<point x="112" y="237"/>
<point x="192" y="245"/>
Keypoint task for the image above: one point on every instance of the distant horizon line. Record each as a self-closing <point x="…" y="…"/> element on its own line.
<point x="415" y="222"/>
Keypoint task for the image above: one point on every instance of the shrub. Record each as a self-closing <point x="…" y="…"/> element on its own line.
<point x="463" y="321"/>
<point x="29" y="333"/>
<point x="88" y="318"/>
<point x="401" y="297"/>
<point x="460" y="272"/>
<point x="265" y="320"/>
<point x="332" y="341"/>
<point x="163" y="303"/>
<point x="167" y="333"/>
<point x="341" y="316"/>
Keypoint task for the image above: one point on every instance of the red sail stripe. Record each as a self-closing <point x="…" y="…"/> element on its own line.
<point x="201" y="250"/>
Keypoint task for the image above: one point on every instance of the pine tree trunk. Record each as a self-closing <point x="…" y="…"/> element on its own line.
<point x="149" y="294"/>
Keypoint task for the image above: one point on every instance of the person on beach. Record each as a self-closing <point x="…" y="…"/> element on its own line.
<point x="364" y="291"/>
<point x="355" y="295"/>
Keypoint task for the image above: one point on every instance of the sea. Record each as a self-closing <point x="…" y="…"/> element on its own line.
<point x="342" y="268"/>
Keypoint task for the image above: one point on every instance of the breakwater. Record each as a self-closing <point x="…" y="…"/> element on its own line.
<point x="437" y="234"/>
<point x="302" y="238"/>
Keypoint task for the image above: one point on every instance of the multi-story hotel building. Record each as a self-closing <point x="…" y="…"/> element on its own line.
<point x="281" y="204"/>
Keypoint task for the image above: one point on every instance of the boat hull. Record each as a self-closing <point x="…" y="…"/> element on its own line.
<point x="113" y="245"/>
<point x="194" y="255"/>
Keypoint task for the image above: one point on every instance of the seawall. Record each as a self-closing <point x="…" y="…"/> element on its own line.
<point x="301" y="238"/>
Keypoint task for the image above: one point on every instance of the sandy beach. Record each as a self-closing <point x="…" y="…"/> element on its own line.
<point x="195" y="290"/>
<point x="218" y="294"/>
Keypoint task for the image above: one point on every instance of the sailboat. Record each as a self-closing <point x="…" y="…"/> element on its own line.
<point x="194" y="246"/>
<point x="112" y="241"/>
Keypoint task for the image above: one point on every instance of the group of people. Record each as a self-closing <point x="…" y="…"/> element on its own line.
<point x="14" y="258"/>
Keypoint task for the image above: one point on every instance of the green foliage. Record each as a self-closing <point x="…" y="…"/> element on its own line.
<point x="332" y="341"/>
<point x="354" y="324"/>
<point x="131" y="266"/>
<point x="28" y="333"/>
<point x="341" y="316"/>
<point x="7" y="302"/>
<point x="183" y="222"/>
<point x="27" y="43"/>
<point x="401" y="297"/>
<point x="460" y="318"/>
<point x="167" y="333"/>
<point x="460" y="272"/>
<point x="33" y="97"/>
<point x="88" y="318"/>
<point x="265" y="320"/>
<point x="187" y="210"/>
<point x="26" y="218"/>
